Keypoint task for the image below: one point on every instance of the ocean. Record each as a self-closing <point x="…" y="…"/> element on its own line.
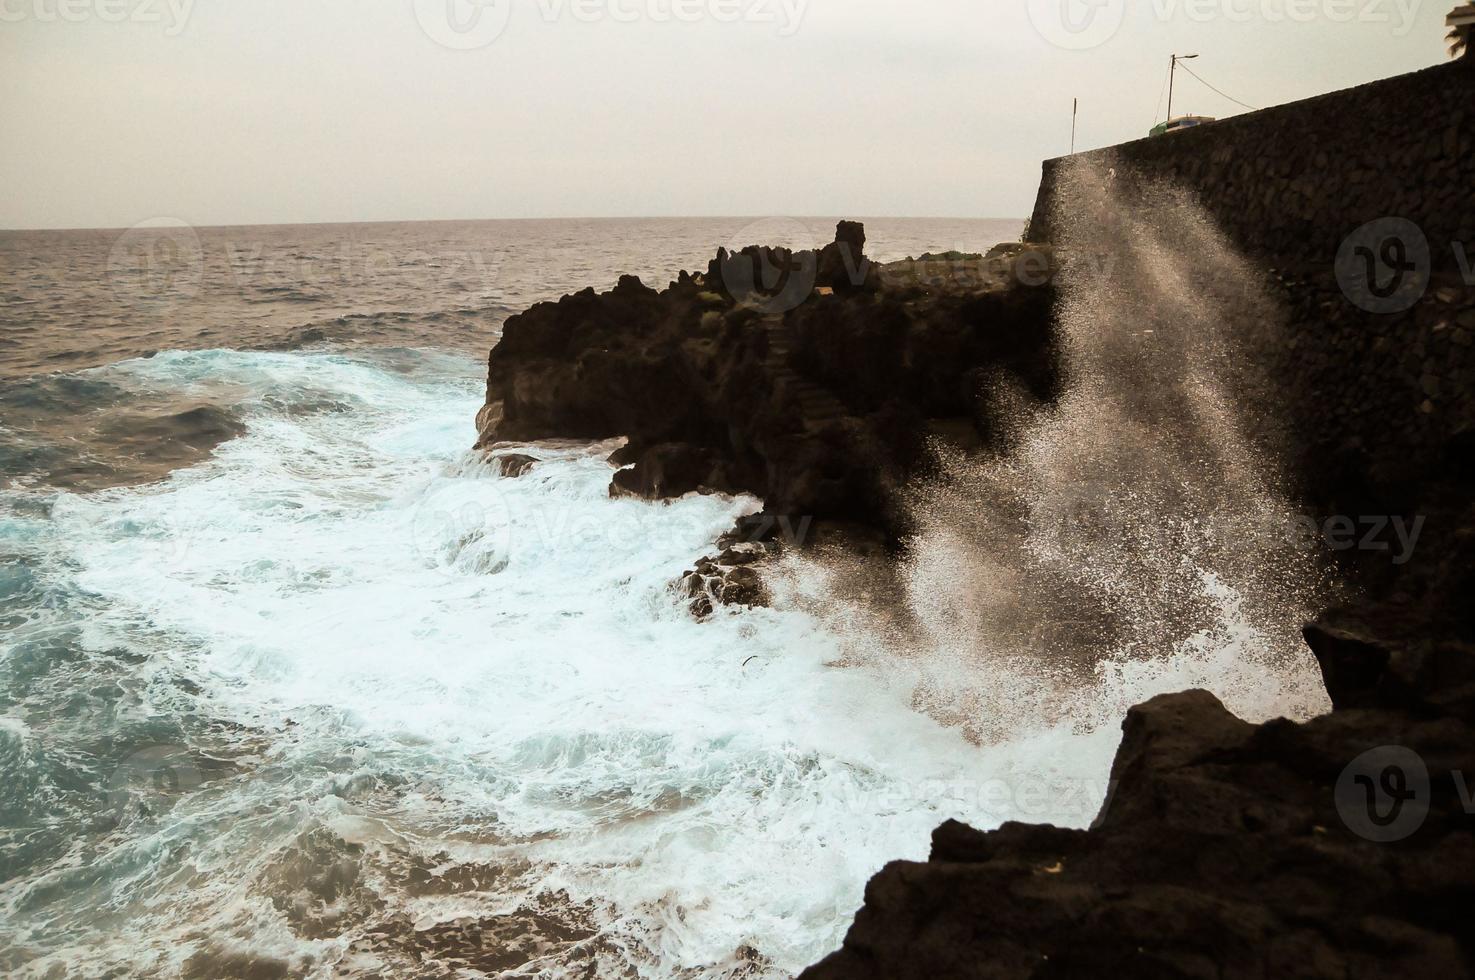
<point x="294" y="684"/>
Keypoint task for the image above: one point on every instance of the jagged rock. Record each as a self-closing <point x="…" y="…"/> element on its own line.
<point x="669" y="470"/>
<point x="726" y="382"/>
<point x="842" y="265"/>
<point x="730" y="579"/>
<point x="514" y="465"/>
<point x="487" y="421"/>
<point x="1225" y="849"/>
<point x="1411" y="674"/>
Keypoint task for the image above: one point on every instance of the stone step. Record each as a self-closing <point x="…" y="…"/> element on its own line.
<point x="817" y="403"/>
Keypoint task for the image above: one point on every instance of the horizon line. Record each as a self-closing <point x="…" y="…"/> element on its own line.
<point x="429" y="221"/>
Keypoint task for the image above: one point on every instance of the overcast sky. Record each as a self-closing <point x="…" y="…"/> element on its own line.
<point x="213" y="112"/>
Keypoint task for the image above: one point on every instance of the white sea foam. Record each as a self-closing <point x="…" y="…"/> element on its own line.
<point x="412" y="663"/>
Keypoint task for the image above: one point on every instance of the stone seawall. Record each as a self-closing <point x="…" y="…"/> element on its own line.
<point x="1289" y="184"/>
<point x="1379" y="178"/>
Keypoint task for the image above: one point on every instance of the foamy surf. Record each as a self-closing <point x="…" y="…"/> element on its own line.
<point x="343" y="701"/>
<point x="363" y="705"/>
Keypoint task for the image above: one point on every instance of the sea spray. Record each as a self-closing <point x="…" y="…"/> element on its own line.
<point x="1134" y="537"/>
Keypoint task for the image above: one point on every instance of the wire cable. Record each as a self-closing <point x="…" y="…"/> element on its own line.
<point x="1227" y="96"/>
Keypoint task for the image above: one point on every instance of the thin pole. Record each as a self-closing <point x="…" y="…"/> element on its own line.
<point x="1075" y="108"/>
<point x="1172" y="70"/>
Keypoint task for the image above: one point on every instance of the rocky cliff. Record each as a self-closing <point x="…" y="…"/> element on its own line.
<point x="812" y="379"/>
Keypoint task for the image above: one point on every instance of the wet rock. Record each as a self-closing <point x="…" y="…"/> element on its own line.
<point x="514" y="465"/>
<point x="842" y="264"/>
<point x="668" y="470"/>
<point x="733" y="578"/>
<point x="1224" y="849"/>
<point x="1411" y="674"/>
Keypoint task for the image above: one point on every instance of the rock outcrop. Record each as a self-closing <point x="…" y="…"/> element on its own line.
<point x="812" y="379"/>
<point x="1343" y="847"/>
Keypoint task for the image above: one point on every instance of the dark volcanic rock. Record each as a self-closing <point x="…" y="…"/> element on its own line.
<point x="1417" y="675"/>
<point x="748" y="378"/>
<point x="842" y="264"/>
<point x="671" y="469"/>
<point x="1224" y="849"/>
<point x="727" y="580"/>
<point x="514" y="465"/>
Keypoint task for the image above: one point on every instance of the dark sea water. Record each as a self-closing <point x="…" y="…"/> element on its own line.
<point x="293" y="684"/>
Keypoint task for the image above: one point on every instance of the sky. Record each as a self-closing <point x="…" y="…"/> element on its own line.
<point x="117" y="112"/>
